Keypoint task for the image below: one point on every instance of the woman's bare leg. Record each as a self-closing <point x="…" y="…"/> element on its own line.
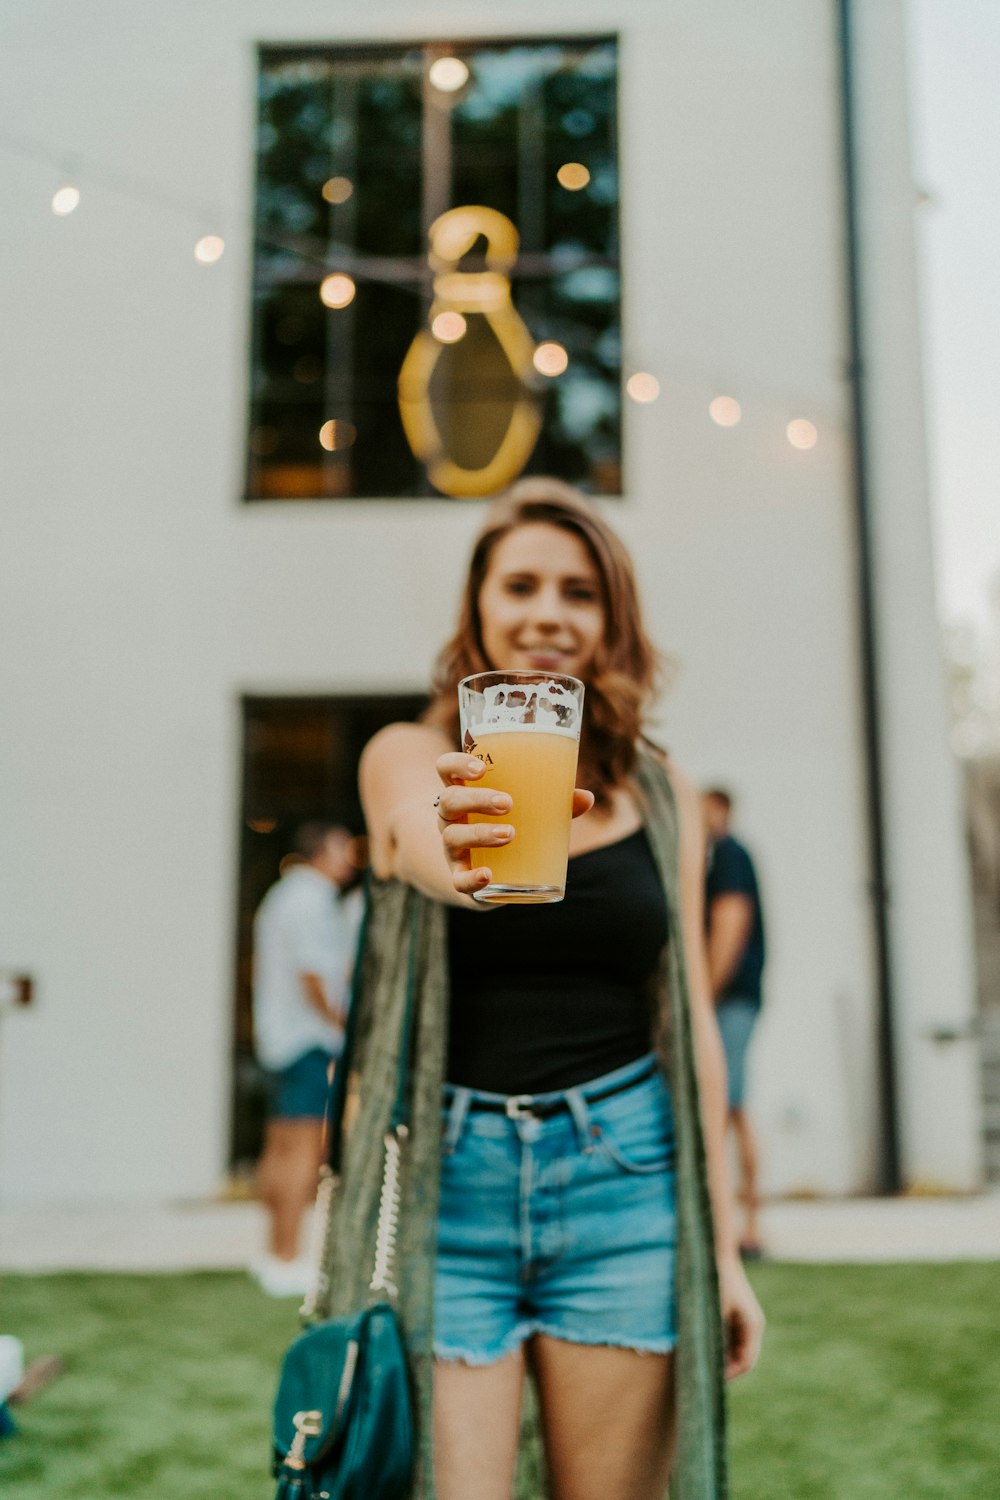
<point x="607" y="1420"/>
<point x="477" y="1427"/>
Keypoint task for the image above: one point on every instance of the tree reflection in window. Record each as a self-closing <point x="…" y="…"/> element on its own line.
<point x="357" y="154"/>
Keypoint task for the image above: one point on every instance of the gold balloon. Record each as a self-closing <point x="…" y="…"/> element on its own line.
<point x="469" y="408"/>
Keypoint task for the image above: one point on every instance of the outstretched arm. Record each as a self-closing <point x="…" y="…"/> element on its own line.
<point x="399" y="786"/>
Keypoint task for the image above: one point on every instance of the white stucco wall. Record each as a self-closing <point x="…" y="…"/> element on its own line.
<point x="138" y="598"/>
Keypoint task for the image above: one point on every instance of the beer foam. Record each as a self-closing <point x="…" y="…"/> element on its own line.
<point x="477" y="730"/>
<point x="546" y="707"/>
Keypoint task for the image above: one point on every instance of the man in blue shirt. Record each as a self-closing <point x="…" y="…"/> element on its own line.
<point x="734" y="929"/>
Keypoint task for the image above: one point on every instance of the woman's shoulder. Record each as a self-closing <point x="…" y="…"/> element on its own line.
<point x="654" y="751"/>
<point x="684" y="788"/>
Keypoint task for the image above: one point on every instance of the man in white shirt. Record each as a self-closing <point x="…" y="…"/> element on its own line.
<point x="305" y="934"/>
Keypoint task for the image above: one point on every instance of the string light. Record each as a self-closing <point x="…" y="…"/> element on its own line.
<point x="550" y="358"/>
<point x="801" y="433"/>
<point x="643" y="387"/>
<point x="337" y="189"/>
<point x="337" y="290"/>
<point x="448" y="74"/>
<point x="573" y="176"/>
<point x="65" y="200"/>
<point x="725" y="411"/>
<point x="209" y="249"/>
<point x="449" y="327"/>
<point x="334" y="435"/>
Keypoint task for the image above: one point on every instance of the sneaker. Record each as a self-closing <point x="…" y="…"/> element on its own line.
<point x="283" y="1278"/>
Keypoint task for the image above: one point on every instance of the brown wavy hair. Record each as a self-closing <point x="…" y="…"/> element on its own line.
<point x="626" y="667"/>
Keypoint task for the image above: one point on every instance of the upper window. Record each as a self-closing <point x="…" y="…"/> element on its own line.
<point x="436" y="277"/>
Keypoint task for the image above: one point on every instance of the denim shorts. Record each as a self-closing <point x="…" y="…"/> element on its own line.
<point x="737" y="1019"/>
<point x="564" y="1225"/>
<point x="300" y="1091"/>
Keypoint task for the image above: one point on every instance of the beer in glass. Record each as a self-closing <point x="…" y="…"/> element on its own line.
<point x="525" y="728"/>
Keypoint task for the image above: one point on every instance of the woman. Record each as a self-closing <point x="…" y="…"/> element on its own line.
<point x="556" y="1232"/>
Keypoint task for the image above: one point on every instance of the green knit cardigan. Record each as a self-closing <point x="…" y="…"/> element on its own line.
<point x="407" y="936"/>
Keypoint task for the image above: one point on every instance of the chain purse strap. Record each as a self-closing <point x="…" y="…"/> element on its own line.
<point x="382" y="1284"/>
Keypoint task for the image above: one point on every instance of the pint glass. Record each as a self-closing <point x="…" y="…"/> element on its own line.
<point x="525" y="728"/>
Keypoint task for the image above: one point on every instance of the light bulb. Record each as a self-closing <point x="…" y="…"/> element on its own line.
<point x="337" y="189"/>
<point x="334" y="435"/>
<point x="550" y="358"/>
<point x="337" y="290"/>
<point x="643" y="387"/>
<point x="65" y="199"/>
<point x="449" y="327"/>
<point x="801" y="433"/>
<point x="448" y="74"/>
<point x="209" y="249"/>
<point x="725" y="411"/>
<point x="573" y="176"/>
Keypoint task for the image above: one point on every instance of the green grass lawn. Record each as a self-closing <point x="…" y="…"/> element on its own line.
<point x="878" y="1383"/>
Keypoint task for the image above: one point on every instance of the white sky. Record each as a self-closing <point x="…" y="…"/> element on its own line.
<point x="955" y="87"/>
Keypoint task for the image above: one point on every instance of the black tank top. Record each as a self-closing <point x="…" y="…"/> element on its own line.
<point x="545" y="997"/>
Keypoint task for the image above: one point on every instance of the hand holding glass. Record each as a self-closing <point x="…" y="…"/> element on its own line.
<point x="525" y="728"/>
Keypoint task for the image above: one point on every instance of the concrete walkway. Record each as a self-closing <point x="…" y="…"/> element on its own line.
<point x="218" y="1236"/>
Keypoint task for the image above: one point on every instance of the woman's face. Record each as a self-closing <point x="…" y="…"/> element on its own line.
<point x="540" y="605"/>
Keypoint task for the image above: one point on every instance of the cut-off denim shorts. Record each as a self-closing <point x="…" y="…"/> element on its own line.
<point x="563" y="1225"/>
<point x="737" y="1018"/>
<point x="301" y="1091"/>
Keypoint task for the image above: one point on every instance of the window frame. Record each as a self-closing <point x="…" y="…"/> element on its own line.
<point x="528" y="265"/>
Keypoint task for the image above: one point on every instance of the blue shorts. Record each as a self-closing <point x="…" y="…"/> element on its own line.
<point x="737" y="1019"/>
<point x="564" y="1225"/>
<point x="301" y="1091"/>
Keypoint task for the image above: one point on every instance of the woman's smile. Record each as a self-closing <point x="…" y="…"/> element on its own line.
<point x="546" y="659"/>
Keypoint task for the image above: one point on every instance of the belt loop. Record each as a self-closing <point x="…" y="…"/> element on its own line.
<point x="456" y="1118"/>
<point x="577" y="1106"/>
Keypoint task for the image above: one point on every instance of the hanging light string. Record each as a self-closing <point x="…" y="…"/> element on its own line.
<point x="337" y="286"/>
<point x="75" y="168"/>
<point x="337" y="290"/>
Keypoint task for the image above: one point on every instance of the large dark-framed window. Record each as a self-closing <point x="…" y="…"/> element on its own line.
<point x="360" y="151"/>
